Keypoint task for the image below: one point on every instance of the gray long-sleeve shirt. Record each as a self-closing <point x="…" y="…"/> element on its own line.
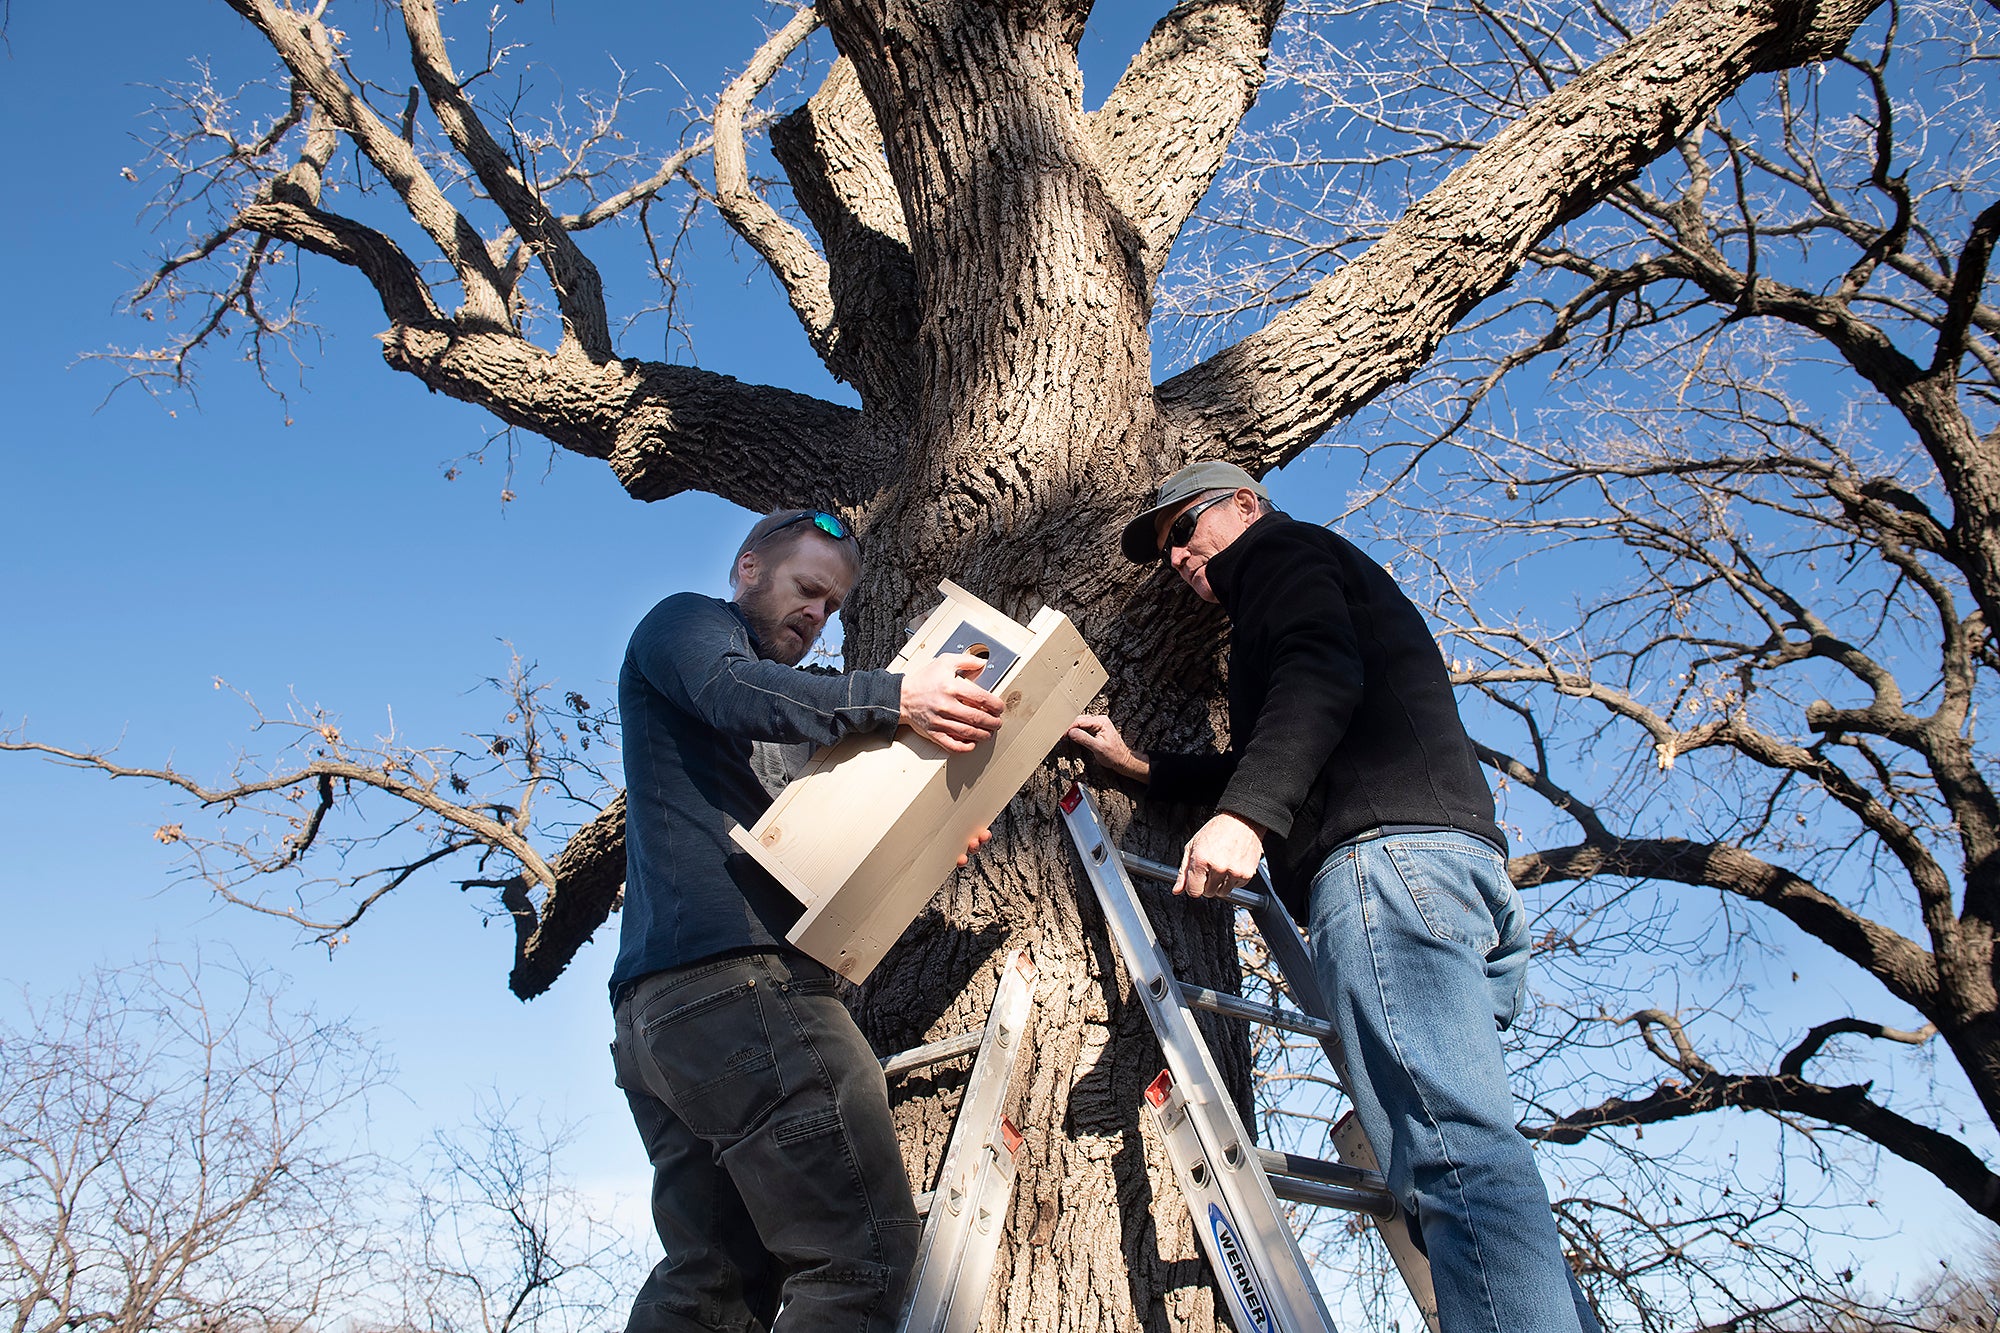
<point x="693" y="694"/>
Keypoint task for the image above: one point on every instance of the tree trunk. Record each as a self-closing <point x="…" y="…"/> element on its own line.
<point x="1032" y="436"/>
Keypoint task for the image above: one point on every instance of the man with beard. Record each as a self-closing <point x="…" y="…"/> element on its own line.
<point x="776" y="1174"/>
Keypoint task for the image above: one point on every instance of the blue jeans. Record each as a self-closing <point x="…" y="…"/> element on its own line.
<point x="1422" y="943"/>
<point x="776" y="1174"/>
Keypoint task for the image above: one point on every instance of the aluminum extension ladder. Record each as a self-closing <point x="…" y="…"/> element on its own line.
<point x="1231" y="1186"/>
<point x="965" y="1214"/>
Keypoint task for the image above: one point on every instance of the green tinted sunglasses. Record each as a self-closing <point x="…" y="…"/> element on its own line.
<point x="830" y="524"/>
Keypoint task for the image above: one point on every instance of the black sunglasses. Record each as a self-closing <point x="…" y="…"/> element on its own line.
<point x="1182" y="532"/>
<point x="830" y="524"/>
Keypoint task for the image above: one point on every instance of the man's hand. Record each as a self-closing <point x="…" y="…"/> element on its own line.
<point x="979" y="838"/>
<point x="1222" y="855"/>
<point x="946" y="709"/>
<point x="1100" y="739"/>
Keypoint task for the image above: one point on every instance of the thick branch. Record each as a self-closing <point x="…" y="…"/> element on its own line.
<point x="1905" y="968"/>
<point x="664" y="429"/>
<point x="589" y="875"/>
<point x="578" y="290"/>
<point x="1954" y="1165"/>
<point x="1973" y="262"/>
<point x="396" y="280"/>
<point x="831" y="150"/>
<point x="1164" y="131"/>
<point x="1377" y="320"/>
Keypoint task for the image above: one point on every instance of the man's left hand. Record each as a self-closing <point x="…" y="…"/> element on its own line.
<point x="979" y="838"/>
<point x="1222" y="855"/>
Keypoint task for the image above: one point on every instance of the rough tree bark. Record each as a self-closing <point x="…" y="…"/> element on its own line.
<point x="982" y="275"/>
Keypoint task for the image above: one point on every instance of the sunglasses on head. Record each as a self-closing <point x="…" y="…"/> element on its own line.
<point x="1182" y="531"/>
<point x="830" y="524"/>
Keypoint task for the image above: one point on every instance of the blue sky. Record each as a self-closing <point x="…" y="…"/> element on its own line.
<point x="149" y="548"/>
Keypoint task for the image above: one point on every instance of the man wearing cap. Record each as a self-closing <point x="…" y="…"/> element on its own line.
<point x="776" y="1173"/>
<point x="1349" y="769"/>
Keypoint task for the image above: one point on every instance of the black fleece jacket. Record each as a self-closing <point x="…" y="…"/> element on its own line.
<point x="1341" y="715"/>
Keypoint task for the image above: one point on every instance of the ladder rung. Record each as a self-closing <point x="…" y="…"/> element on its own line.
<point x="1235" y="1006"/>
<point x="1297" y="1189"/>
<point x="1326" y="1173"/>
<point x="1166" y="874"/>
<point x="924" y="1201"/>
<point x="921" y="1057"/>
<point x="1146" y="869"/>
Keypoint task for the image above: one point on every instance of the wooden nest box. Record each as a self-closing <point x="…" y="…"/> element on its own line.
<point x="871" y="828"/>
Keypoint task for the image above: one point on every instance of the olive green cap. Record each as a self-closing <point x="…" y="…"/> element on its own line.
<point x="1141" y="544"/>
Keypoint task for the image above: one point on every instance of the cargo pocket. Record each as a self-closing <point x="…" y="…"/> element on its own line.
<point x="715" y="1061"/>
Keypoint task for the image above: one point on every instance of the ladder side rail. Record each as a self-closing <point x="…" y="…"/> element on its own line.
<point x="1288" y="953"/>
<point x="1210" y="1210"/>
<point x="992" y="1190"/>
<point x="935" y="1287"/>
<point x="1233" y="1165"/>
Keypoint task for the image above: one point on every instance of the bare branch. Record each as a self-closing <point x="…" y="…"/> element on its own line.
<point x="483" y="799"/>
<point x="1910" y="973"/>
<point x="1538" y="782"/>
<point x="170" y="1150"/>
<point x="1378" y="319"/>
<point x="1794" y="1063"/>
<point x="306" y="46"/>
<point x="639" y="192"/>
<point x="791" y="256"/>
<point x="320" y="774"/>
<point x="578" y="290"/>
<point x="1787" y="1094"/>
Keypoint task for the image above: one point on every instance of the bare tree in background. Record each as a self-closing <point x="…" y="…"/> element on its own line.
<point x="175" y="1157"/>
<point x="981" y="267"/>
<point x="507" y="1243"/>
<point x="182" y="1152"/>
<point x="1709" y="507"/>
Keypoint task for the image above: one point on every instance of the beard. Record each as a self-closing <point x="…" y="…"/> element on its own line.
<point x="780" y="638"/>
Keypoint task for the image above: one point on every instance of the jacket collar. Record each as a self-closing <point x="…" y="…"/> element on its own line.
<point x="1225" y="567"/>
